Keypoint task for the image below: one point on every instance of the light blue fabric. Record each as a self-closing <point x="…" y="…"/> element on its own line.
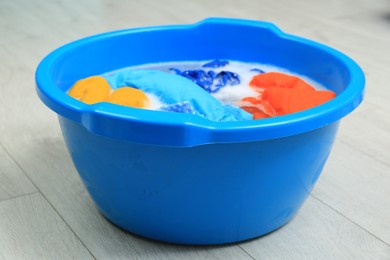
<point x="172" y="89"/>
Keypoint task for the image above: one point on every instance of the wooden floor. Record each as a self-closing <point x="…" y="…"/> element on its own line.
<point x="45" y="212"/>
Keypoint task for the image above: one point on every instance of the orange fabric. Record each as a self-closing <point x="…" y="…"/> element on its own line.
<point x="256" y="112"/>
<point x="273" y="79"/>
<point x="281" y="94"/>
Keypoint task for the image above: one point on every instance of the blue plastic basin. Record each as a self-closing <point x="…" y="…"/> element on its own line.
<point x="182" y="178"/>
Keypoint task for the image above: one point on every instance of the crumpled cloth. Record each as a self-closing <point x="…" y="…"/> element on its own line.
<point x="173" y="89"/>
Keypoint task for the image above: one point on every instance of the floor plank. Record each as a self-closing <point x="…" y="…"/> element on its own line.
<point x="359" y="192"/>
<point x="31" y="229"/>
<point x="318" y="233"/>
<point x="370" y="18"/>
<point x="13" y="182"/>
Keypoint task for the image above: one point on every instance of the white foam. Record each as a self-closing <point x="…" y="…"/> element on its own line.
<point x="155" y="102"/>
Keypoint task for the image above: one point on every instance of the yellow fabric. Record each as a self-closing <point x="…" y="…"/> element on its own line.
<point x="127" y="96"/>
<point x="96" y="89"/>
<point x="91" y="90"/>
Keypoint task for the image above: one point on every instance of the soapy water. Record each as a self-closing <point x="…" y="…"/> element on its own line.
<point x="218" y="90"/>
<point x="230" y="93"/>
